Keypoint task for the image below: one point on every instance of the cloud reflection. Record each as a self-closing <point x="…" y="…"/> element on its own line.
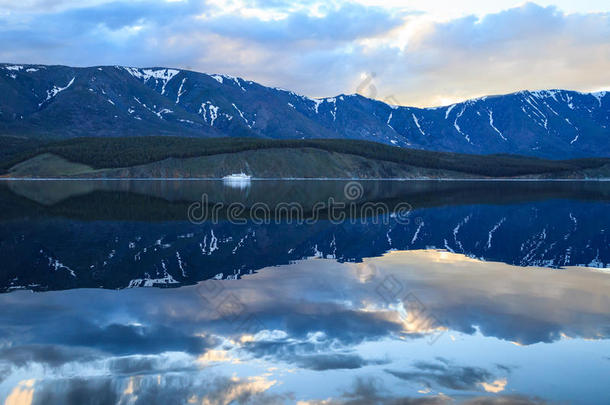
<point x="445" y="374"/>
<point x="318" y="319"/>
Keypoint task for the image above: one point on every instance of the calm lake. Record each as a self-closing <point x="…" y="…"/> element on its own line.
<point x="308" y="292"/>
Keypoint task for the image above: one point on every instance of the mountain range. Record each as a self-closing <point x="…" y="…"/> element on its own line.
<point x="58" y="102"/>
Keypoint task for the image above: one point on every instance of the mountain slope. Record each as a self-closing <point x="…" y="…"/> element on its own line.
<point x="63" y="102"/>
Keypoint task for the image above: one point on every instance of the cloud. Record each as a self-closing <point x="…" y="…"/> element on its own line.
<point x="365" y="391"/>
<point x="126" y="339"/>
<point x="525" y="47"/>
<point x="317" y="327"/>
<point x="348" y="22"/>
<point x="76" y="391"/>
<point x="43" y="5"/>
<point x="151" y="364"/>
<point x="321" y="362"/>
<point x="317" y="351"/>
<point x="504" y="400"/>
<point x="321" y="49"/>
<point x="50" y="355"/>
<point x="445" y="374"/>
<point x="151" y="390"/>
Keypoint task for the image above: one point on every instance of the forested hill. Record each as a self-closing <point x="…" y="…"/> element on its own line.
<point x="260" y="157"/>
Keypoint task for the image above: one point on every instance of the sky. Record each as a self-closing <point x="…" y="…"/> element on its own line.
<point x="417" y="52"/>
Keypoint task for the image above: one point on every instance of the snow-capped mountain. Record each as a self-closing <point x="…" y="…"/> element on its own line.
<point x="61" y="102"/>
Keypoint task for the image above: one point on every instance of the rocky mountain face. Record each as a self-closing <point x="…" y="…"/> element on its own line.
<point x="64" y="102"/>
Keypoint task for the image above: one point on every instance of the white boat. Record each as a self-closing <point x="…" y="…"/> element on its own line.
<point x="238" y="178"/>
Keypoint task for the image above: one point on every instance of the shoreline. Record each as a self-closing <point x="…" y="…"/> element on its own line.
<point x="296" y="179"/>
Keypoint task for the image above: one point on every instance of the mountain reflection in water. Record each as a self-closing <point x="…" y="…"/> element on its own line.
<point x="492" y="293"/>
<point x="74" y="234"/>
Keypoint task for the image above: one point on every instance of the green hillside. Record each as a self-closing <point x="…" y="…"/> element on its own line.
<point x="114" y="153"/>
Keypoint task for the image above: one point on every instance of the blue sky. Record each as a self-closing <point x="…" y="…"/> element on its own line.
<point x="418" y="52"/>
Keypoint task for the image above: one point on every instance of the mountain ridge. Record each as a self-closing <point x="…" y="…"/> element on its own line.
<point x="63" y="102"/>
<point x="596" y="94"/>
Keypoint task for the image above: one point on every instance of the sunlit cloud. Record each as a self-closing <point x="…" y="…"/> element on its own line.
<point x="215" y="356"/>
<point x="494" y="386"/>
<point x="22" y="394"/>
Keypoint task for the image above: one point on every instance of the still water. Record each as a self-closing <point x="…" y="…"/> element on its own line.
<point x="145" y="292"/>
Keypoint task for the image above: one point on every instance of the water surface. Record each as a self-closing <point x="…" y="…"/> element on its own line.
<point x="481" y="291"/>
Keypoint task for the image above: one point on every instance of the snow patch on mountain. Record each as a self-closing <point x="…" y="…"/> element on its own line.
<point x="449" y="111"/>
<point x="333" y="100"/>
<point x="458" y="128"/>
<point x="180" y="91"/>
<point x="163" y="111"/>
<point x="242" y="116"/>
<point x="599" y="96"/>
<point x="316" y="104"/>
<point x="417" y="124"/>
<point x="159" y="75"/>
<point x="491" y="123"/>
<point x="493" y="230"/>
<point x="55" y="91"/>
<point x="208" y="109"/>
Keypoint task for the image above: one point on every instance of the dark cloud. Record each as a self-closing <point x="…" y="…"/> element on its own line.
<point x="493" y="323"/>
<point x="366" y="391"/>
<point x="76" y="391"/>
<point x="142" y="365"/>
<point x="78" y="29"/>
<point x="125" y="339"/>
<point x="345" y="23"/>
<point x="321" y="362"/>
<point x="338" y="324"/>
<point x="220" y="390"/>
<point x="321" y="354"/>
<point x="121" y="339"/>
<point x="504" y="368"/>
<point x="118" y="15"/>
<point x="504" y="400"/>
<point x="50" y="355"/>
<point x="444" y="374"/>
<point x="175" y="389"/>
<point x="347" y="326"/>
